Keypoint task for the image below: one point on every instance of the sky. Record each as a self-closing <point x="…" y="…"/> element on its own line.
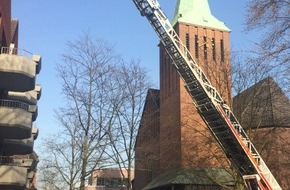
<point x="45" y="26"/>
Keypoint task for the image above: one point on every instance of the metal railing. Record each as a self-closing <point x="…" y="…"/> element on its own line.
<point x="8" y="160"/>
<point x="14" y="104"/>
<point x="16" y="51"/>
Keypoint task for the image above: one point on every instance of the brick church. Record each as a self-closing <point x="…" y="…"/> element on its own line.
<point x="174" y="149"/>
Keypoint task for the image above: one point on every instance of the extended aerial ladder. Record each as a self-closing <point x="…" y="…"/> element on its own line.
<point x="212" y="108"/>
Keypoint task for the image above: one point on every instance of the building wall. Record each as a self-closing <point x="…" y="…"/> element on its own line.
<point x="147" y="144"/>
<point x="185" y="139"/>
<point x="211" y="50"/>
<point x="170" y="134"/>
<point x="108" y="179"/>
<point x="5" y="23"/>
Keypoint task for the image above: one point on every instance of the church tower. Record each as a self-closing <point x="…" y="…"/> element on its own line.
<point x="185" y="141"/>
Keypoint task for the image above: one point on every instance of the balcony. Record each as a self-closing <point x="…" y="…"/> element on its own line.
<point x="13" y="177"/>
<point x="29" y="97"/>
<point x="28" y="161"/>
<point x="19" y="147"/>
<point x="15" y="120"/>
<point x="18" y="72"/>
<point x="34" y="110"/>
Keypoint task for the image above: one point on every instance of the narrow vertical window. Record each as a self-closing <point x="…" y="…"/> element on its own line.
<point x="222" y="51"/>
<point x="205" y="47"/>
<point x="196" y="45"/>
<point x="187" y="41"/>
<point x="213" y="49"/>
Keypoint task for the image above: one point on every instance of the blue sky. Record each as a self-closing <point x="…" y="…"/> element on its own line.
<point x="46" y="26"/>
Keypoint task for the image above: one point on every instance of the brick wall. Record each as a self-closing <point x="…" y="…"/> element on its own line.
<point x="5" y="22"/>
<point x="185" y="139"/>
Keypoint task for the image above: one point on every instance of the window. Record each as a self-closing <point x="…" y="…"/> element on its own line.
<point x="222" y="51"/>
<point x="112" y="182"/>
<point x="187" y="41"/>
<point x="205" y="47"/>
<point x="196" y="45"/>
<point x="107" y="182"/>
<point x="125" y="182"/>
<point x="213" y="49"/>
<point x="100" y="181"/>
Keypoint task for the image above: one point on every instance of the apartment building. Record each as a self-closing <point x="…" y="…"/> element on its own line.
<point x="19" y="94"/>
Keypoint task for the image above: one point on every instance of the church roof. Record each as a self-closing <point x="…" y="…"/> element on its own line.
<point x="262" y="105"/>
<point x="153" y="98"/>
<point x="192" y="176"/>
<point x="197" y="12"/>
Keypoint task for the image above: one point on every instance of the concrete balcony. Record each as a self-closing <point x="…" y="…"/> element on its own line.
<point x="34" y="110"/>
<point x="29" y="97"/>
<point x="15" y="120"/>
<point x="19" y="147"/>
<point x="28" y="161"/>
<point x="13" y="177"/>
<point x="17" y="73"/>
<point x="30" y="175"/>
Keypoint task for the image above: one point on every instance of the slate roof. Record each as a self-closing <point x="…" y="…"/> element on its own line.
<point x="154" y="94"/>
<point x="262" y="105"/>
<point x="193" y="176"/>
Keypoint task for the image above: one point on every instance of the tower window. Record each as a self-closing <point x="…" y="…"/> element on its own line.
<point x="187" y="41"/>
<point x="196" y="45"/>
<point x="205" y="47"/>
<point x="213" y="49"/>
<point x="222" y="51"/>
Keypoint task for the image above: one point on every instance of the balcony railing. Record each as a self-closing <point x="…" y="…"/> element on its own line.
<point x="24" y="53"/>
<point x="14" y="104"/>
<point x="16" y="51"/>
<point x="8" y="160"/>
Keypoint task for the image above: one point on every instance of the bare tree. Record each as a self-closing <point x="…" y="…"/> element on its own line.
<point x="132" y="81"/>
<point x="272" y="19"/>
<point x="60" y="168"/>
<point x="87" y="117"/>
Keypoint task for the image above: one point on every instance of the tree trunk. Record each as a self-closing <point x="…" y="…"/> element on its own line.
<point x="84" y="164"/>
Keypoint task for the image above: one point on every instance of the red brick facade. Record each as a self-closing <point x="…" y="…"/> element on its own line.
<point x="147" y="165"/>
<point x="5" y="22"/>
<point x="186" y="141"/>
<point x="8" y="26"/>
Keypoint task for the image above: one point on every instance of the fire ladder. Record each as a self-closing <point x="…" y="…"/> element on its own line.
<point x="216" y="114"/>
